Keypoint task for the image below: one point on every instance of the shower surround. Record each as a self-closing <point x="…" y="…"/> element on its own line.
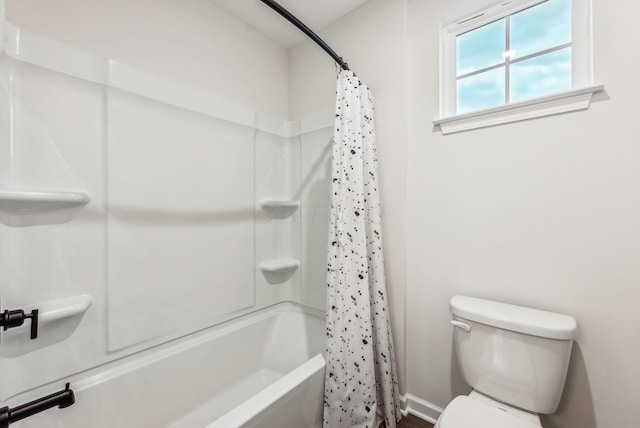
<point x="143" y="214"/>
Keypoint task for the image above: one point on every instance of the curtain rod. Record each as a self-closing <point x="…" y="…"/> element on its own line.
<point x="306" y="30"/>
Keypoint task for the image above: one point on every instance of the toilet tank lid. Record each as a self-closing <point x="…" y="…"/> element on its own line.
<point x="534" y="322"/>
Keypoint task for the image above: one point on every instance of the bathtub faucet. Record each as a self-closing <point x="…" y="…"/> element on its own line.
<point x="15" y="318"/>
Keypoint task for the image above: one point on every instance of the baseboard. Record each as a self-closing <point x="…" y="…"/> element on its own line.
<point x="418" y="407"/>
<point x="403" y="405"/>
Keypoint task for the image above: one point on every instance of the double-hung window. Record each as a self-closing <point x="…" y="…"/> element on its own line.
<point x="517" y="53"/>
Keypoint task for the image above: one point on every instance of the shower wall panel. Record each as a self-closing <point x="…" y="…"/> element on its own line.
<point x="179" y="219"/>
<point x="36" y="102"/>
<point x="53" y="141"/>
<point x="315" y="196"/>
<point x="171" y="240"/>
<point x="277" y="233"/>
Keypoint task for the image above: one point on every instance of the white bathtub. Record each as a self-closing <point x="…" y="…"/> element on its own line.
<point x="262" y="370"/>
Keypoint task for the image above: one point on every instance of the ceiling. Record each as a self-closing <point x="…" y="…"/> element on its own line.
<point x="316" y="14"/>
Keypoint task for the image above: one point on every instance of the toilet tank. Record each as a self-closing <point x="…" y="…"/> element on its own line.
<point x="513" y="354"/>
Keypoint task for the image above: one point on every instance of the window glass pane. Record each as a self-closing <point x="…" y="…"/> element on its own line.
<point x="480" y="48"/>
<point x="541" y="75"/>
<point x="540" y="27"/>
<point x="482" y="90"/>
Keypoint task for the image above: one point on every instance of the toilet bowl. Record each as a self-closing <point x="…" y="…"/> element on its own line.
<point x="475" y="411"/>
<point x="515" y="359"/>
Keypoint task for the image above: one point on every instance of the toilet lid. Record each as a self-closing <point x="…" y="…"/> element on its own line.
<point x="465" y="412"/>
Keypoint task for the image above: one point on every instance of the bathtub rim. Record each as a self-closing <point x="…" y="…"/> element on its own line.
<point x="262" y="400"/>
<point x="97" y="375"/>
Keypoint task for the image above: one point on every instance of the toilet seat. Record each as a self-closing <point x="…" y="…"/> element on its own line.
<point x="466" y="412"/>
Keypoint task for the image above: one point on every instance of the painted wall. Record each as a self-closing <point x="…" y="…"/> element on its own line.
<point x="371" y="39"/>
<point x="192" y="41"/>
<point x="541" y="213"/>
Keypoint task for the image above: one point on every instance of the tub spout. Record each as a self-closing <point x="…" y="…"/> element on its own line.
<point x="62" y="399"/>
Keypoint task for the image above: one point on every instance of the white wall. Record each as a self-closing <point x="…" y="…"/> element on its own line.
<point x="371" y="39"/>
<point x="541" y="213"/>
<point x="190" y="41"/>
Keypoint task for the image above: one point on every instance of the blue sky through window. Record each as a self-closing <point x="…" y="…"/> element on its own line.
<point x="482" y="90"/>
<point x="541" y="75"/>
<point x="480" y="48"/>
<point x="542" y="27"/>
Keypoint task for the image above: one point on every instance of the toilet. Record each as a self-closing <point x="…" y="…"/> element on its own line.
<point x="514" y="358"/>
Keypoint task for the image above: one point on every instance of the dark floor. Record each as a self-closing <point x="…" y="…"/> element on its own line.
<point x="411" y="421"/>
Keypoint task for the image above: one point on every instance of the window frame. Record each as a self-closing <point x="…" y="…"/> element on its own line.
<point x="581" y="57"/>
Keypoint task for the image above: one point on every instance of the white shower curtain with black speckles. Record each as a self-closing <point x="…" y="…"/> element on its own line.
<point x="361" y="388"/>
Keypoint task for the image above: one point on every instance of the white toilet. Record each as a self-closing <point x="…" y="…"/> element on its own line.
<point x="516" y="360"/>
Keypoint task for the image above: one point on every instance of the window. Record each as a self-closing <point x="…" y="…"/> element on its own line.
<point x="517" y="51"/>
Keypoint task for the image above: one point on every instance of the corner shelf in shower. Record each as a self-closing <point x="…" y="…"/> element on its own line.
<point x="279" y="208"/>
<point x="279" y="266"/>
<point x="20" y="202"/>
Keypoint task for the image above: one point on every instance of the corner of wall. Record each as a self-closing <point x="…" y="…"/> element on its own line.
<point x="2" y="20"/>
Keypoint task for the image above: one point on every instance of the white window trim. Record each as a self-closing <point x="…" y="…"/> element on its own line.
<point x="577" y="98"/>
<point x="563" y="102"/>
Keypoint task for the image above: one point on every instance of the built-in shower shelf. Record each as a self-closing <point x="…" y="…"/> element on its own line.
<point x="279" y="266"/>
<point x="57" y="320"/>
<point x="63" y="308"/>
<point x="18" y="202"/>
<point x="279" y="208"/>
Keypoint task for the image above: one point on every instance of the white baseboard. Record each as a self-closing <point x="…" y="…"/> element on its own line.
<point x="418" y="407"/>
<point x="403" y="405"/>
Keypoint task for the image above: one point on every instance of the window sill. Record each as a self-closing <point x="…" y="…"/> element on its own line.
<point x="575" y="99"/>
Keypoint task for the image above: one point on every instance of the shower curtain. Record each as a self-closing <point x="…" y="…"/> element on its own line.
<point x="361" y="387"/>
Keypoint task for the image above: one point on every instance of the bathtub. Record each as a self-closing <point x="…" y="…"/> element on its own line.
<point x="261" y="370"/>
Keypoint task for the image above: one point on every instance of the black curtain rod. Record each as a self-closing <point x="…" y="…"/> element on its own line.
<point x="306" y="30"/>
